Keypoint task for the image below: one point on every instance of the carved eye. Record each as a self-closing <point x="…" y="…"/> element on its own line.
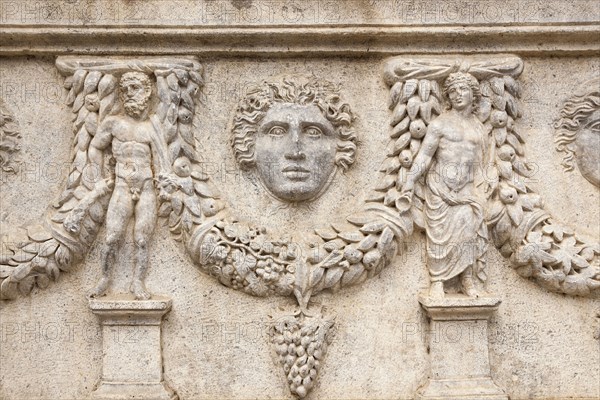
<point x="594" y="126"/>
<point x="276" y="131"/>
<point x="313" y="131"/>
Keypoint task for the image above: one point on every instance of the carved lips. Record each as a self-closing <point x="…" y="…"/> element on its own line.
<point x="296" y="173"/>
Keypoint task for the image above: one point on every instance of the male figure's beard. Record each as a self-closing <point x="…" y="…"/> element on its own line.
<point x="135" y="108"/>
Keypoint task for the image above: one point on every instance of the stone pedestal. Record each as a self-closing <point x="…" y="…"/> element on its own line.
<point x="458" y="344"/>
<point x="131" y="342"/>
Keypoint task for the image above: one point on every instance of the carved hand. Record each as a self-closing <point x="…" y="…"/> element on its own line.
<point x="405" y="200"/>
<point x="105" y="185"/>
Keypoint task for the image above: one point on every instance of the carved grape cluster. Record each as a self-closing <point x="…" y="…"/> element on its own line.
<point x="244" y="258"/>
<point x="301" y="346"/>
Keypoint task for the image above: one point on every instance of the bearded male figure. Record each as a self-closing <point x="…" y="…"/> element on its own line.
<point x="451" y="159"/>
<point x="139" y="151"/>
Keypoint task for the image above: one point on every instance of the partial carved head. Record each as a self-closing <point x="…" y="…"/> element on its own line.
<point x="462" y="90"/>
<point x="295" y="134"/>
<point x="136" y="90"/>
<point x="578" y="131"/>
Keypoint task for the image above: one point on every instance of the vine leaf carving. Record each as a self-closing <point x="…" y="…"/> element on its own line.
<point x="10" y="137"/>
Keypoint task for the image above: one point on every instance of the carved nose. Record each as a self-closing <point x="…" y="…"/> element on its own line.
<point x="296" y="154"/>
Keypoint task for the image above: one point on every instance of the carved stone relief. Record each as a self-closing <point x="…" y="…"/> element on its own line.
<point x="119" y="149"/>
<point x="9" y="139"/>
<point x="136" y="144"/>
<point x="578" y="131"/>
<point x="453" y="199"/>
<point x="296" y="135"/>
<point x="455" y="169"/>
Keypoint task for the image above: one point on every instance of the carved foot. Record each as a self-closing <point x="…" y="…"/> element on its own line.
<point x="100" y="289"/>
<point x="139" y="290"/>
<point x="468" y="287"/>
<point x="436" y="290"/>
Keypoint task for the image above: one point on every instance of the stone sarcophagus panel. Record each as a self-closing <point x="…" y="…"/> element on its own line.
<point x="332" y="200"/>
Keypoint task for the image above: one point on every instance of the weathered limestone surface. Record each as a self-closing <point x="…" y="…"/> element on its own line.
<point x="291" y="117"/>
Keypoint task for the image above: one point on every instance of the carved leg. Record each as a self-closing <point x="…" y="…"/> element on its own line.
<point x="119" y="211"/>
<point x="141" y="265"/>
<point x="466" y="281"/>
<point x="139" y="290"/>
<point x="108" y="260"/>
<point x="145" y="220"/>
<point x="436" y="290"/>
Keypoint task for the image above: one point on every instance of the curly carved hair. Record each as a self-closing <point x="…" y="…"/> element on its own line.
<point x="253" y="108"/>
<point x="463" y="77"/>
<point x="576" y="112"/>
<point x="139" y="107"/>
<point x="136" y="76"/>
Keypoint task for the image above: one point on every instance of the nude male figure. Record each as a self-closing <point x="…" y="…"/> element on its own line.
<point x="452" y="158"/>
<point x="139" y="151"/>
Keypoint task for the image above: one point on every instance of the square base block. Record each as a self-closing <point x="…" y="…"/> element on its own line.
<point x="458" y="344"/>
<point x="131" y="343"/>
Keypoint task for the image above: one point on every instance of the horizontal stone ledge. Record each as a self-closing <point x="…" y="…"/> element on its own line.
<point x="457" y="307"/>
<point x="531" y="39"/>
<point x="125" y="310"/>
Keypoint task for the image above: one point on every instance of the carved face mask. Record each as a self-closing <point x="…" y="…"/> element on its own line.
<point x="587" y="149"/>
<point x="295" y="151"/>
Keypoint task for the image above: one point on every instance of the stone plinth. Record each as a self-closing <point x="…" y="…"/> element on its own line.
<point x="131" y="341"/>
<point x="458" y="343"/>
